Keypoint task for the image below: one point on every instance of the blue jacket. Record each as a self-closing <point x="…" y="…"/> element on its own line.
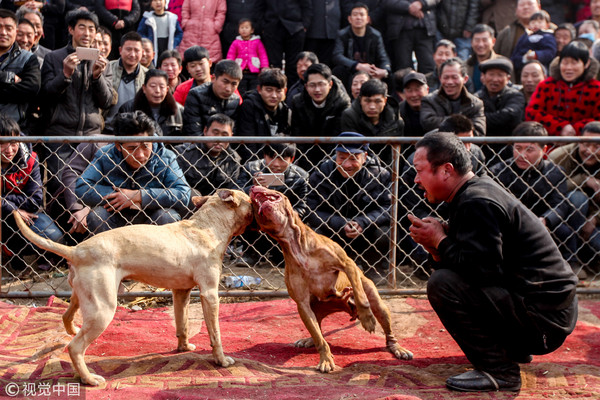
<point x="147" y="28"/>
<point x="161" y="181"/>
<point x="542" y="42"/>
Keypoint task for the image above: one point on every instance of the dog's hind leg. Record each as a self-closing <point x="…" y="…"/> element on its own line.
<point x="382" y="314"/>
<point x="209" y="296"/>
<point x="98" y="309"/>
<point x="181" y="301"/>
<point x="70" y="313"/>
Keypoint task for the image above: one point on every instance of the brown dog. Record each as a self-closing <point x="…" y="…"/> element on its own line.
<point x="320" y="277"/>
<point x="179" y="256"/>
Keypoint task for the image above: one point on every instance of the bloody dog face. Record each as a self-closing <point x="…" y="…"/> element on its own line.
<point x="269" y="209"/>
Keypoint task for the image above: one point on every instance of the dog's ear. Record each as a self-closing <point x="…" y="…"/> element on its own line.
<point x="229" y="197"/>
<point x="199" y="200"/>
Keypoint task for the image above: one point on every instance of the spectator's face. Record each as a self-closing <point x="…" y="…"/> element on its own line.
<point x="527" y="155"/>
<point x="147" y="54"/>
<point x="104" y="44"/>
<point x="217" y="129"/>
<point x="432" y="181"/>
<point x="131" y="53"/>
<point x="537" y="24"/>
<point x="571" y="69"/>
<point x="442" y="54"/>
<point x="373" y="106"/>
<point x="452" y="80"/>
<point x="563" y="37"/>
<point x="245" y="30"/>
<point x="318" y="87"/>
<point x="25" y="36"/>
<point x="301" y="67"/>
<point x="171" y="67"/>
<point x="8" y="33"/>
<point x="495" y="80"/>
<point x="271" y="96"/>
<point x="37" y="22"/>
<point x="199" y="70"/>
<point x="482" y="44"/>
<point x="359" y="18"/>
<point x="8" y="151"/>
<point x="587" y="28"/>
<point x="136" y="154"/>
<point x="466" y="134"/>
<point x="590" y="151"/>
<point x="348" y="164"/>
<point x="526" y="8"/>
<point x="357" y="83"/>
<point x="595" y="9"/>
<point x="83" y="33"/>
<point x="158" y="6"/>
<point x="531" y="75"/>
<point x="155" y="90"/>
<point x="413" y="93"/>
<point x="224" y="86"/>
<point x="277" y="164"/>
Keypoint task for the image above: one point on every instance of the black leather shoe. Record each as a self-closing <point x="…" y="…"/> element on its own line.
<point x="481" y="381"/>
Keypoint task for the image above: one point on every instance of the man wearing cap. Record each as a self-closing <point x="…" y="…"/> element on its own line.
<point x="414" y="88"/>
<point x="452" y="98"/>
<point x="374" y="113"/>
<point x="503" y="105"/>
<point x="197" y="63"/>
<point x="360" y="226"/>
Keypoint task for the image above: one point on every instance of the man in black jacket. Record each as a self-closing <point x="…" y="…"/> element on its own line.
<point x="500" y="286"/>
<point x="316" y="112"/>
<point x="263" y="112"/>
<point x="218" y="96"/>
<point x="359" y="47"/>
<point x="350" y="203"/>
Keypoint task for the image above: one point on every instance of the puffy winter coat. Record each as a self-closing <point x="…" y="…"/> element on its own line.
<point x="435" y="107"/>
<point x="556" y="103"/>
<point x="147" y="28"/>
<point x="249" y="54"/>
<point x="202" y="21"/>
<point x="456" y="16"/>
<point x="201" y="103"/>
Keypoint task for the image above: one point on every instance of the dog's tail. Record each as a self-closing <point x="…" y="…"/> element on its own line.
<point x="46" y="244"/>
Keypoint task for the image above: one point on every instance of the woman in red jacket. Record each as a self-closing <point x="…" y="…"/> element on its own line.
<point x="570" y="97"/>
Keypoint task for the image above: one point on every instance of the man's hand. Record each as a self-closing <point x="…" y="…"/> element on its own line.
<point x="428" y="232"/>
<point x="378" y="73"/>
<point x="27" y="216"/>
<point x="416" y="9"/>
<point x="120" y="24"/>
<point x="78" y="220"/>
<point x="260" y="180"/>
<point x="364" y="67"/>
<point x="70" y="63"/>
<point x="121" y="199"/>
<point x="352" y="229"/>
<point x="594" y="185"/>
<point x="99" y="67"/>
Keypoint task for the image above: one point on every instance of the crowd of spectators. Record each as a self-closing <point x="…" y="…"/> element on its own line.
<point x="299" y="68"/>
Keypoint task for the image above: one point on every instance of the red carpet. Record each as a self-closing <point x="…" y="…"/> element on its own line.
<point x="135" y="355"/>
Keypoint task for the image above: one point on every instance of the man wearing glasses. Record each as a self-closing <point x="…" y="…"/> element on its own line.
<point x="133" y="182"/>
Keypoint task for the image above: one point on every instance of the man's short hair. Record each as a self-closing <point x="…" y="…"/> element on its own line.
<point x="480" y="28"/>
<point x="79" y="14"/>
<point x="591" y="22"/>
<point x="320" y="69"/>
<point x="272" y="77"/>
<point x="456" y="123"/>
<point x="591" y="127"/>
<point x="446" y="147"/>
<point x="280" y="149"/>
<point x="569" y="27"/>
<point x="373" y="87"/>
<point x="153" y="73"/>
<point x="309" y="55"/>
<point x="454" y="61"/>
<point x="8" y="126"/>
<point x="359" y="5"/>
<point x="221" y="119"/>
<point x="26" y="22"/>
<point x="538" y="62"/>
<point x="105" y="31"/>
<point x="148" y="41"/>
<point x="445" y="43"/>
<point x="132" y="36"/>
<point x="22" y="11"/>
<point x="133" y="123"/>
<point x="531" y="129"/>
<point x="168" y="54"/>
<point x="4" y="13"/>
<point x="229" y="67"/>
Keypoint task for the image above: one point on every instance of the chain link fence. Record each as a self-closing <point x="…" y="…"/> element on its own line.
<point x="323" y="197"/>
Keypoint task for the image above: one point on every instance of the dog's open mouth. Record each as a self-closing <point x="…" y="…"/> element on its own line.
<point x="264" y="198"/>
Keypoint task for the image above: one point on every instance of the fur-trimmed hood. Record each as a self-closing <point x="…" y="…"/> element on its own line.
<point x="590" y="72"/>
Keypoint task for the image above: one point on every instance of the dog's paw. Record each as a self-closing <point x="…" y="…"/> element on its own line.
<point x="400" y="352"/>
<point x="367" y="319"/>
<point x="308" y="342"/>
<point x="186" y="347"/>
<point x="225" y="362"/>
<point x="326" y="364"/>
<point x="92" y="380"/>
